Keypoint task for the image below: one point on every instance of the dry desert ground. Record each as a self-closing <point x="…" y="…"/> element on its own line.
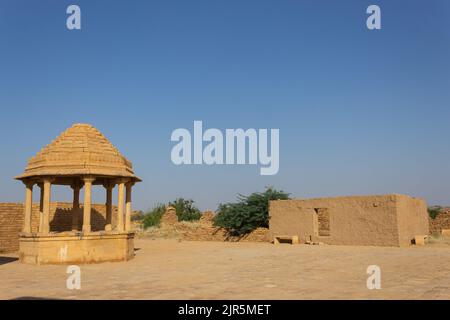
<point x="168" y="269"/>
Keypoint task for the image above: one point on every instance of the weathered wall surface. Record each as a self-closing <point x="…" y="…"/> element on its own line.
<point x="440" y="222"/>
<point x="412" y="218"/>
<point x="355" y="220"/>
<point x="11" y="221"/>
<point x="10" y="225"/>
<point x="290" y="217"/>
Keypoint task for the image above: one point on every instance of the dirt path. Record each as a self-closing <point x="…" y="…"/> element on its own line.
<point x="167" y="269"/>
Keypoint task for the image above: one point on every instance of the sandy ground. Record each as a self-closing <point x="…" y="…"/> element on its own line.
<point x="168" y="269"/>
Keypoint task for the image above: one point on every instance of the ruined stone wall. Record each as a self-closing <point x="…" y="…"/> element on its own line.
<point x="10" y="225"/>
<point x="440" y="222"/>
<point x="356" y="220"/>
<point x="194" y="231"/>
<point x="11" y="221"/>
<point x="412" y="218"/>
<point x="202" y="230"/>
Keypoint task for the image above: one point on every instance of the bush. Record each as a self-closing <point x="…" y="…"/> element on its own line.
<point x="186" y="211"/>
<point x="249" y="213"/>
<point x="153" y="217"/>
<point x="434" y="211"/>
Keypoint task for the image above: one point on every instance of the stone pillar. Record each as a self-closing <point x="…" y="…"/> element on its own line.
<point x="120" y="209"/>
<point x="76" y="205"/>
<point x="109" y="189"/>
<point x="129" y="185"/>
<point x="46" y="206"/>
<point x="28" y="207"/>
<point x="87" y="204"/>
<point x="41" y="208"/>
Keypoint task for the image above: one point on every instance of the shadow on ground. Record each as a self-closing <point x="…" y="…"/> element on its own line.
<point x="5" y="260"/>
<point x="34" y="298"/>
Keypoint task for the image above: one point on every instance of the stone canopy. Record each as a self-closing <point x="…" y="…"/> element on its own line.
<point x="80" y="150"/>
<point x="80" y="157"/>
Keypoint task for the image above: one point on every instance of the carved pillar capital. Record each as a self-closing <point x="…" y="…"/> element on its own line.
<point x="88" y="179"/>
<point x="109" y="185"/>
<point x="29" y="183"/>
<point x="76" y="185"/>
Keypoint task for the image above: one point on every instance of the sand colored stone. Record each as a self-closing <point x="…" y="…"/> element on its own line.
<point x="169" y="217"/>
<point x="80" y="157"/>
<point x="207" y="217"/>
<point x="80" y="150"/>
<point x="388" y="220"/>
<point x="65" y="248"/>
<point x="440" y="222"/>
<point x="420" y="240"/>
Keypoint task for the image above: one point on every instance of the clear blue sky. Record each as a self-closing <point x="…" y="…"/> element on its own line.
<point x="359" y="111"/>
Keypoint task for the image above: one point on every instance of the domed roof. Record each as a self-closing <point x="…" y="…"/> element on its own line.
<point x="80" y="150"/>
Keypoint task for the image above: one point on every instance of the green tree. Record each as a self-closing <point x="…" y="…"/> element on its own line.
<point x="153" y="217"/>
<point x="434" y="211"/>
<point x="249" y="212"/>
<point x="186" y="211"/>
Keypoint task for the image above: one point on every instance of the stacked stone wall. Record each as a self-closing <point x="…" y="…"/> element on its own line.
<point x="11" y="221"/>
<point x="440" y="222"/>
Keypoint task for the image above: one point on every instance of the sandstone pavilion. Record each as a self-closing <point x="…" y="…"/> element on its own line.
<point x="79" y="158"/>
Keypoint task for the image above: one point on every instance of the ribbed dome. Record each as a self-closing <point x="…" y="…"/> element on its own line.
<point x="80" y="150"/>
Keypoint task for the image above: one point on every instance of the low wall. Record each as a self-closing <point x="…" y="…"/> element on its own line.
<point x="11" y="221"/>
<point x="441" y="221"/>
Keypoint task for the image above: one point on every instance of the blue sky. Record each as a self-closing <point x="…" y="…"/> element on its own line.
<point x="359" y="111"/>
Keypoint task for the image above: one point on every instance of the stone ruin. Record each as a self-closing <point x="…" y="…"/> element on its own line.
<point x="207" y="217"/>
<point x="201" y="230"/>
<point x="169" y="217"/>
<point x="385" y="220"/>
<point x="441" y="223"/>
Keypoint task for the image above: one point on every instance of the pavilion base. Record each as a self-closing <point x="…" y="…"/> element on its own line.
<point x="76" y="248"/>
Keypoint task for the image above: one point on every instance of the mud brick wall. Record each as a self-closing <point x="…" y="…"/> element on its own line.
<point x="11" y="221"/>
<point x="386" y="220"/>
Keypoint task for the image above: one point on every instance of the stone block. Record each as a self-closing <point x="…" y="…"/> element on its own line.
<point x="445" y="233"/>
<point x="420" y="240"/>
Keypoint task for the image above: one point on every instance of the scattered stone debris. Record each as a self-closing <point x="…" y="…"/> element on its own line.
<point x="202" y="230"/>
<point x="440" y="222"/>
<point x="207" y="217"/>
